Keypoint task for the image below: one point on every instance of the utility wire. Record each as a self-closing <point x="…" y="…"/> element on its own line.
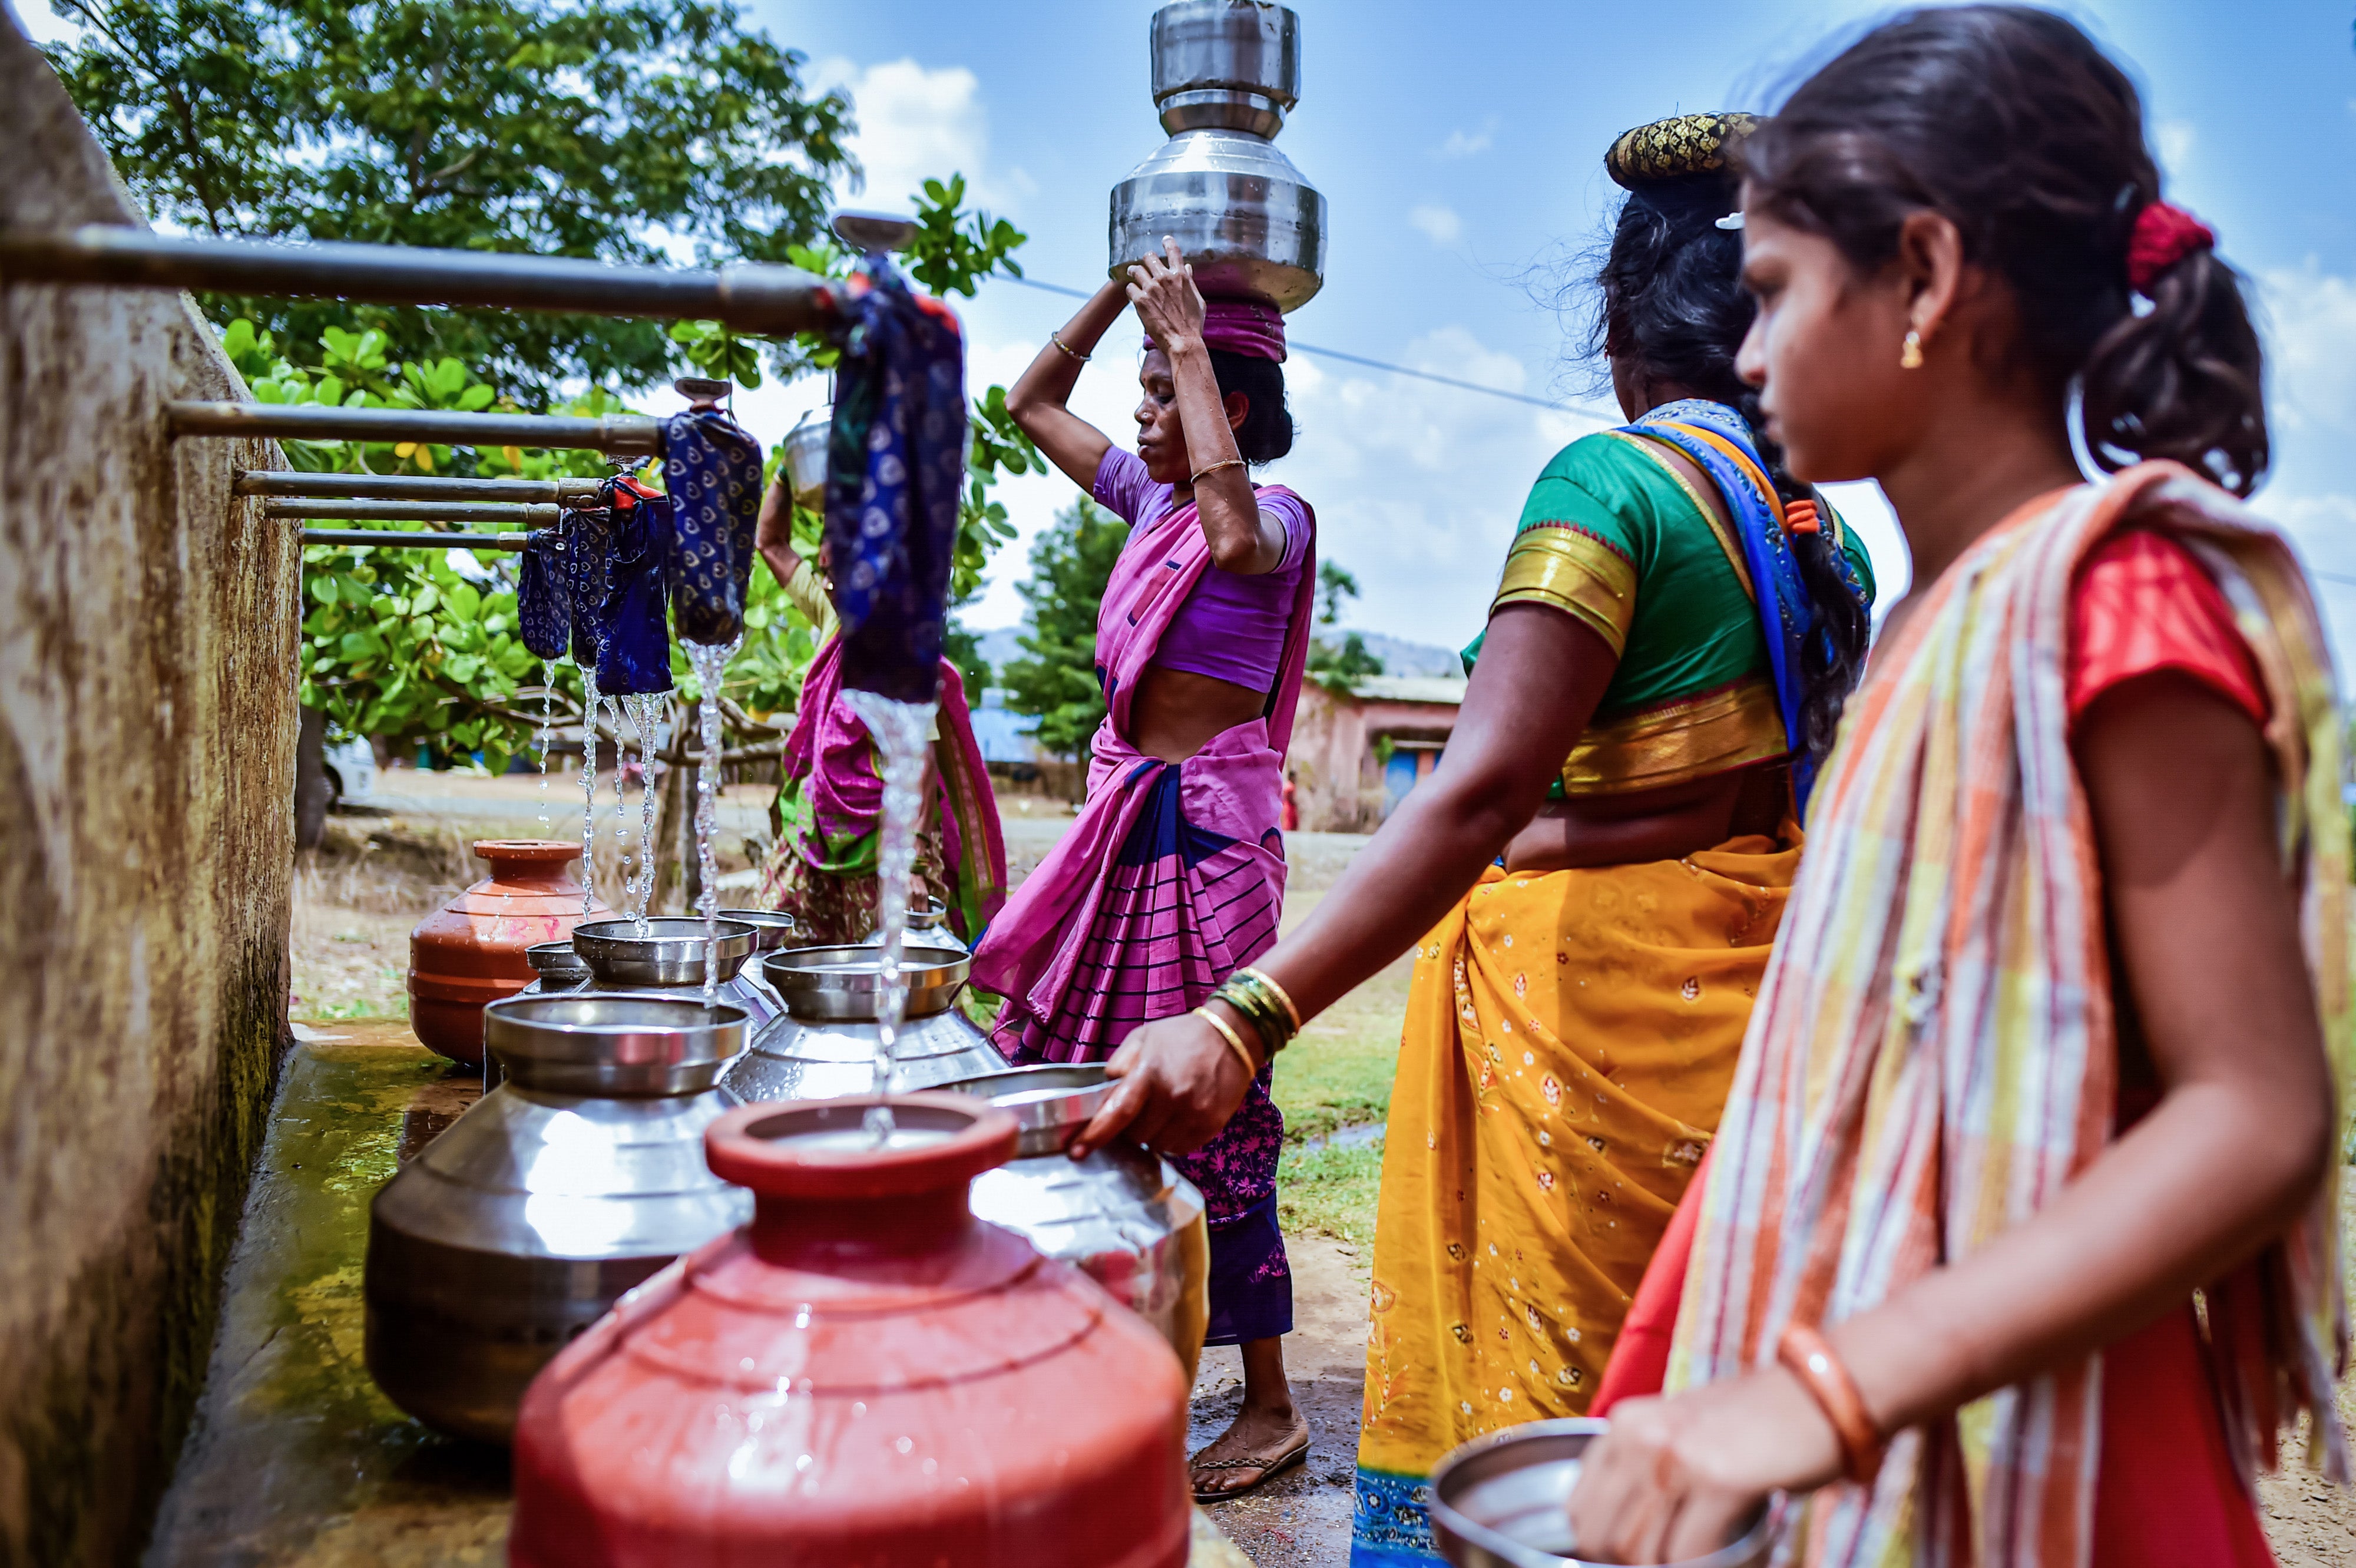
<point x="1370" y="364"/>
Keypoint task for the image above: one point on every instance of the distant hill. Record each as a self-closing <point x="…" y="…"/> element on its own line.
<point x="1399" y="656"/>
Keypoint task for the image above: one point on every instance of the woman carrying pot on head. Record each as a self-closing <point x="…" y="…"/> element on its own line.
<point x="1172" y="878"/>
<point x="822" y="868"/>
<point x="2056" y="1033"/>
<point x="1677" y="627"/>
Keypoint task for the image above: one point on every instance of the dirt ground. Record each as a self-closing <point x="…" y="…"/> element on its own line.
<point x="381" y="871"/>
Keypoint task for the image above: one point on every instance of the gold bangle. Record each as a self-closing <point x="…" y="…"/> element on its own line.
<point x="1222" y="463"/>
<point x="1056" y="338"/>
<point x="1280" y="993"/>
<point x="1235" y="1041"/>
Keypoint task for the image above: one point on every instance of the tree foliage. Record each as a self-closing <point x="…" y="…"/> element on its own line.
<point x="1071" y="565"/>
<point x="592" y="128"/>
<point x="1338" y="665"/>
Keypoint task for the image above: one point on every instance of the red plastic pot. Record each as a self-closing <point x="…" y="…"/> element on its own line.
<point x="864" y="1377"/>
<point x="471" y="950"/>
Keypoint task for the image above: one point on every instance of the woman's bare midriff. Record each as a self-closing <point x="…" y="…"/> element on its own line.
<point x="1645" y="825"/>
<point x="1176" y="712"/>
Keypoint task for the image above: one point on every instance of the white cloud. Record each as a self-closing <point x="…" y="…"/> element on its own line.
<point x="37" y="22"/>
<point x="914" y="124"/>
<point x="1439" y="224"/>
<point x="2309" y="322"/>
<point x="2176" y="139"/>
<point x="1462" y="144"/>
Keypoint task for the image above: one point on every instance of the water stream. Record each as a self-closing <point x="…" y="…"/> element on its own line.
<point x="547" y="733"/>
<point x="711" y="663"/>
<point x="589" y="707"/>
<point x="645" y="722"/>
<point x="622" y="802"/>
<point x="903" y="734"/>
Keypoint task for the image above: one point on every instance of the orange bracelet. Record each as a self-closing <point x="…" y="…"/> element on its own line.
<point x="1810" y="1357"/>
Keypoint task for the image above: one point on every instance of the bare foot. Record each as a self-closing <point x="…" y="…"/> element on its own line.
<point x="1261" y="1442"/>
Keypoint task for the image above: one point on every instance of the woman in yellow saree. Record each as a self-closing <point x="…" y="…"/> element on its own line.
<point x="1575" y="1017"/>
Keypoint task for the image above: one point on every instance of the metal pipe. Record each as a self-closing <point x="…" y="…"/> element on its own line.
<point x="417" y="512"/>
<point x="764" y="301"/>
<point x="631" y="435"/>
<point x="390" y="540"/>
<point x="415" y="488"/>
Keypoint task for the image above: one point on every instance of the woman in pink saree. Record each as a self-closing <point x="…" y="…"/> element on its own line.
<point x="1172" y="878"/>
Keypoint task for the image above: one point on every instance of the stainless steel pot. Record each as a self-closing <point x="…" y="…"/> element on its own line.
<point x="823" y="1046"/>
<point x="568" y="1185"/>
<point x="668" y="956"/>
<point x="772" y="929"/>
<point x="1500" y="1501"/>
<point x="556" y="968"/>
<point x="927" y="927"/>
<point x="805" y="454"/>
<point x="1224" y="74"/>
<point x="1123" y="1216"/>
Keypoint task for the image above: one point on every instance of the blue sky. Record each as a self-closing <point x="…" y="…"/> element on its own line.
<point x="1460" y="151"/>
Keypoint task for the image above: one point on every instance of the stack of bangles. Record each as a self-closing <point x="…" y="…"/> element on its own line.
<point x="1265" y="1005"/>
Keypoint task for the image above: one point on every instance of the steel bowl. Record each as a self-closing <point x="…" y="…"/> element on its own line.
<point x="669" y="951"/>
<point x="602" y="1042"/>
<point x="1502" y="1501"/>
<point x="846" y="984"/>
<point x="558" y="964"/>
<point x="1050" y="1104"/>
<point x="772" y="928"/>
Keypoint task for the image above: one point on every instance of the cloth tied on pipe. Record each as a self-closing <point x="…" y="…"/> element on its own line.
<point x="634" y="633"/>
<point x="586" y="543"/>
<point x="895" y="473"/>
<point x="712" y="470"/>
<point x="543" y="596"/>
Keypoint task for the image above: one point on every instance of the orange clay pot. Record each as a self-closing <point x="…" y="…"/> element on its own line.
<point x="866" y="1376"/>
<point x="471" y="950"/>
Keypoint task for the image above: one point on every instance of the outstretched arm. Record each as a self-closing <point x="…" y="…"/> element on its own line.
<point x="1039" y="398"/>
<point x="1540" y="675"/>
<point x="2207" y="933"/>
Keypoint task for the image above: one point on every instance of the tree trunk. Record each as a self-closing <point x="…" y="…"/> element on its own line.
<point x="310" y="779"/>
<point x="677" y="878"/>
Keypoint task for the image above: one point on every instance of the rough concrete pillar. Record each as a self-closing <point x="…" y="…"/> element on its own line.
<point x="147" y="719"/>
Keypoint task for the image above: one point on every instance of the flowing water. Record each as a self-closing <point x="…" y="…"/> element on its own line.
<point x="547" y="733"/>
<point x="903" y="734"/>
<point x="711" y="664"/>
<point x="589" y="710"/>
<point x="645" y="722"/>
<point x="622" y="802"/>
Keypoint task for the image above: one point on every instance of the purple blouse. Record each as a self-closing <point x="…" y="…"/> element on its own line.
<point x="1232" y="626"/>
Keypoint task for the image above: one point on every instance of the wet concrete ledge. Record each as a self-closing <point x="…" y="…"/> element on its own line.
<point x="295" y="1457"/>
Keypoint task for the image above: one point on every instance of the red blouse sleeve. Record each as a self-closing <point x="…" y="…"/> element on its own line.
<point x="2141" y="605"/>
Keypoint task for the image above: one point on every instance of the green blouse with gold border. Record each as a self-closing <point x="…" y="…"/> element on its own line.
<point x="1615" y="536"/>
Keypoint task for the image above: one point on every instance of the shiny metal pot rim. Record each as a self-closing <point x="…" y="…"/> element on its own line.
<point x="604" y="1042"/>
<point x="559" y="960"/>
<point x="669" y="951"/>
<point x="1546" y="1454"/>
<point x="1050" y="1103"/>
<point x="845" y="984"/>
<point x="772" y="928"/>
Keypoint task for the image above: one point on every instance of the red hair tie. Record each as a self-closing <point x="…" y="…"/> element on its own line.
<point x="1800" y="517"/>
<point x="2164" y="234"/>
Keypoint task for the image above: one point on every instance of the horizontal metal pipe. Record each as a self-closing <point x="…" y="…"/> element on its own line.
<point x="390" y="540"/>
<point x="417" y="512"/>
<point x="631" y="435"/>
<point x="414" y="487"/>
<point x="760" y="300"/>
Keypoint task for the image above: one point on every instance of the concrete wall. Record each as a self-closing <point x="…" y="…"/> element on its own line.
<point x="147" y="717"/>
<point x="1337" y="784"/>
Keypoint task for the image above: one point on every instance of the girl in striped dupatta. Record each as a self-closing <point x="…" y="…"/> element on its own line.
<point x="2054" y="1035"/>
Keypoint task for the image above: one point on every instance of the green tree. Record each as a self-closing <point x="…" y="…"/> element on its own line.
<point x="1338" y="666"/>
<point x="1071" y="566"/>
<point x="1334" y="583"/>
<point x="590" y="128"/>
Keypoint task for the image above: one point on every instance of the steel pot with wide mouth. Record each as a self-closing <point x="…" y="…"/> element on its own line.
<point x="569" y="1184"/>
<point x="823" y="1046"/>
<point x="556" y="968"/>
<point x="1123" y="1216"/>
<point x="1503" y="1500"/>
<point x="927" y="927"/>
<point x="667" y="956"/>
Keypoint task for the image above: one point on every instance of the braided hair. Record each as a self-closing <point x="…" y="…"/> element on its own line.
<point x="1673" y="307"/>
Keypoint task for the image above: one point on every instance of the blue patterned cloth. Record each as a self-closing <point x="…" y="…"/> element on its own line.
<point x="895" y="471"/>
<point x="712" y="470"/>
<point x="544" y="596"/>
<point x="585" y="543"/>
<point x="1391" y="1527"/>
<point x="633" y="632"/>
<point x="1787" y="615"/>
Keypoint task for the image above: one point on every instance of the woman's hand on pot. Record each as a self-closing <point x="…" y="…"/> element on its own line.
<point x="1179" y="1083"/>
<point x="1678" y="1477"/>
<point x="1169" y="305"/>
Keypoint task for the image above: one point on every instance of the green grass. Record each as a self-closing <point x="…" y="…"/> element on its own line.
<point x="1330" y="1192"/>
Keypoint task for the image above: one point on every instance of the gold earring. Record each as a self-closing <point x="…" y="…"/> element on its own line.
<point x="1910" y="356"/>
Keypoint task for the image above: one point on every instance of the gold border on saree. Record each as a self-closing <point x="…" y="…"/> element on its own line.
<point x="1556" y="564"/>
<point x="1684" y="738"/>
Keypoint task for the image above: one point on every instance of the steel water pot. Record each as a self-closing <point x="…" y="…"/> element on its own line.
<point x="1502" y="1501"/>
<point x="823" y="1046"/>
<point x="927" y="927"/>
<point x="862" y="1375"/>
<point x="1123" y="1216"/>
<point x="668" y="955"/>
<point x="572" y="1182"/>
<point x="556" y="968"/>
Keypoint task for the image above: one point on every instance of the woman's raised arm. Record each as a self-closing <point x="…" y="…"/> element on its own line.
<point x="1039" y="398"/>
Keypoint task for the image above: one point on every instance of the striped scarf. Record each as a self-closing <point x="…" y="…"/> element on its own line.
<point x="1934" y="1055"/>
